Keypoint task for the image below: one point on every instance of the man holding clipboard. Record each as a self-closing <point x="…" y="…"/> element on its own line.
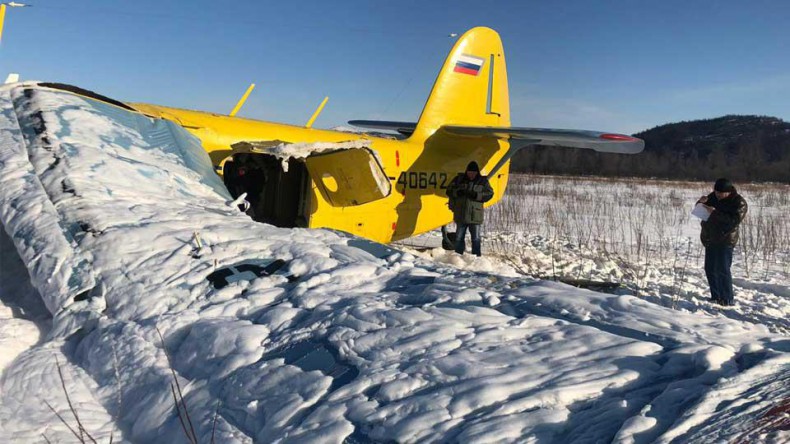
<point x="722" y="212"/>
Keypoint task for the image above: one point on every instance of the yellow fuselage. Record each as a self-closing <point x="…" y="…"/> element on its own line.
<point x="419" y="172"/>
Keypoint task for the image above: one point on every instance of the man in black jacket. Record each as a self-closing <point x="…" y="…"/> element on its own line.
<point x="467" y="193"/>
<point x="720" y="235"/>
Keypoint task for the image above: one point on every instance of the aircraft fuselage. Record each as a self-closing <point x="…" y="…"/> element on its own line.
<point x="419" y="172"/>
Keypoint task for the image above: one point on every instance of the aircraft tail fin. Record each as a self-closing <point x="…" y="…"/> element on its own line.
<point x="471" y="88"/>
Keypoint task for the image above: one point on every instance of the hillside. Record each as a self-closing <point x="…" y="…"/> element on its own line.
<point x="745" y="148"/>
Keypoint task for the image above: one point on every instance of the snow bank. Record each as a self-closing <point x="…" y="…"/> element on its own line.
<point x="296" y="335"/>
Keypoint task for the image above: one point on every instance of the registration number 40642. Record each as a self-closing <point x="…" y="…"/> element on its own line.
<point x="422" y="180"/>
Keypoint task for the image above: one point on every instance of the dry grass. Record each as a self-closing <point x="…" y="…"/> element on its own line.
<point x="82" y="435"/>
<point x="640" y="221"/>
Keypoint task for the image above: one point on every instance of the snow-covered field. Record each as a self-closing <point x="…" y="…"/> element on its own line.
<point x="165" y="315"/>
<point x="639" y="234"/>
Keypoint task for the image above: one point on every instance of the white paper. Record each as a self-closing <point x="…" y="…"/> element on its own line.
<point x="700" y="211"/>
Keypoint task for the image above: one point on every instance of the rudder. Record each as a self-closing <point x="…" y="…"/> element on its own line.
<point x="471" y="88"/>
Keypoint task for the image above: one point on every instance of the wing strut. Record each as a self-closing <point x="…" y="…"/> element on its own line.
<point x="318" y="110"/>
<point x="241" y="101"/>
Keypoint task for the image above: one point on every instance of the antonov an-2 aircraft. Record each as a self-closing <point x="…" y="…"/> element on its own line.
<point x="145" y="301"/>
<point x="132" y="271"/>
<point x="378" y="188"/>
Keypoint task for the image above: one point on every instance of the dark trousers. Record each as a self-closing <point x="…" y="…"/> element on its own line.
<point x="718" y="260"/>
<point x="474" y="233"/>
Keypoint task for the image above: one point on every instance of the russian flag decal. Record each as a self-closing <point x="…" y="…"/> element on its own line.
<point x="467" y="64"/>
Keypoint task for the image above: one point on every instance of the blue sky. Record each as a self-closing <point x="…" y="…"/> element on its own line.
<point x="611" y="65"/>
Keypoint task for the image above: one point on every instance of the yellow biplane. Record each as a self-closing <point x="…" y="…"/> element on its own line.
<point x="384" y="189"/>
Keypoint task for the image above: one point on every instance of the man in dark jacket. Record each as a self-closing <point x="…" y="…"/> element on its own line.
<point x="720" y="235"/>
<point x="467" y="193"/>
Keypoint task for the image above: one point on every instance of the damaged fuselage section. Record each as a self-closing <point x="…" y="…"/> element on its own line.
<point x="282" y="180"/>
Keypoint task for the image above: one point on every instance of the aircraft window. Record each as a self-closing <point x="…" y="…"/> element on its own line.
<point x="329" y="182"/>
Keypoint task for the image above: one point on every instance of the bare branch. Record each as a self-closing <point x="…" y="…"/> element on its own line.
<point x="180" y="398"/>
<point x="214" y="425"/>
<point x="178" y="412"/>
<point x="74" y="432"/>
<point x="71" y="406"/>
<point x="117" y="372"/>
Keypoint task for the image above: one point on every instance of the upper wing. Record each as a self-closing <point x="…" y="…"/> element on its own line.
<point x="596" y="140"/>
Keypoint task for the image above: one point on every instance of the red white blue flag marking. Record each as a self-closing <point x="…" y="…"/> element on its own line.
<point x="467" y="64"/>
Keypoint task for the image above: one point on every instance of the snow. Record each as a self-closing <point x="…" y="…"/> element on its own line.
<point x="654" y="255"/>
<point x="120" y="221"/>
<point x="23" y="316"/>
<point x="286" y="151"/>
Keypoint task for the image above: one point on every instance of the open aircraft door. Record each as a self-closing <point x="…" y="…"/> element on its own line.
<point x="348" y="176"/>
<point x="278" y="178"/>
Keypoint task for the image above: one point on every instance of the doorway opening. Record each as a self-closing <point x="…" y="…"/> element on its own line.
<point x="277" y="197"/>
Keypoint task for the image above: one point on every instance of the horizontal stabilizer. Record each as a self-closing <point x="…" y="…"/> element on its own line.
<point x="595" y="140"/>
<point x="598" y="141"/>
<point x="405" y="128"/>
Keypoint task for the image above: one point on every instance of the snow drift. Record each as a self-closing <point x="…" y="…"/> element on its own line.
<point x="293" y="335"/>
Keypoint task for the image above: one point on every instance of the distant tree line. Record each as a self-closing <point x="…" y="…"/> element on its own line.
<point x="743" y="148"/>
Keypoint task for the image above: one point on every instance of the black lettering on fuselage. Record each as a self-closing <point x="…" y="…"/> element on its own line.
<point x="421" y="180"/>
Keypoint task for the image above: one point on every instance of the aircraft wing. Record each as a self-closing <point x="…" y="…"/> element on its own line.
<point x="595" y="140"/>
<point x="165" y="300"/>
